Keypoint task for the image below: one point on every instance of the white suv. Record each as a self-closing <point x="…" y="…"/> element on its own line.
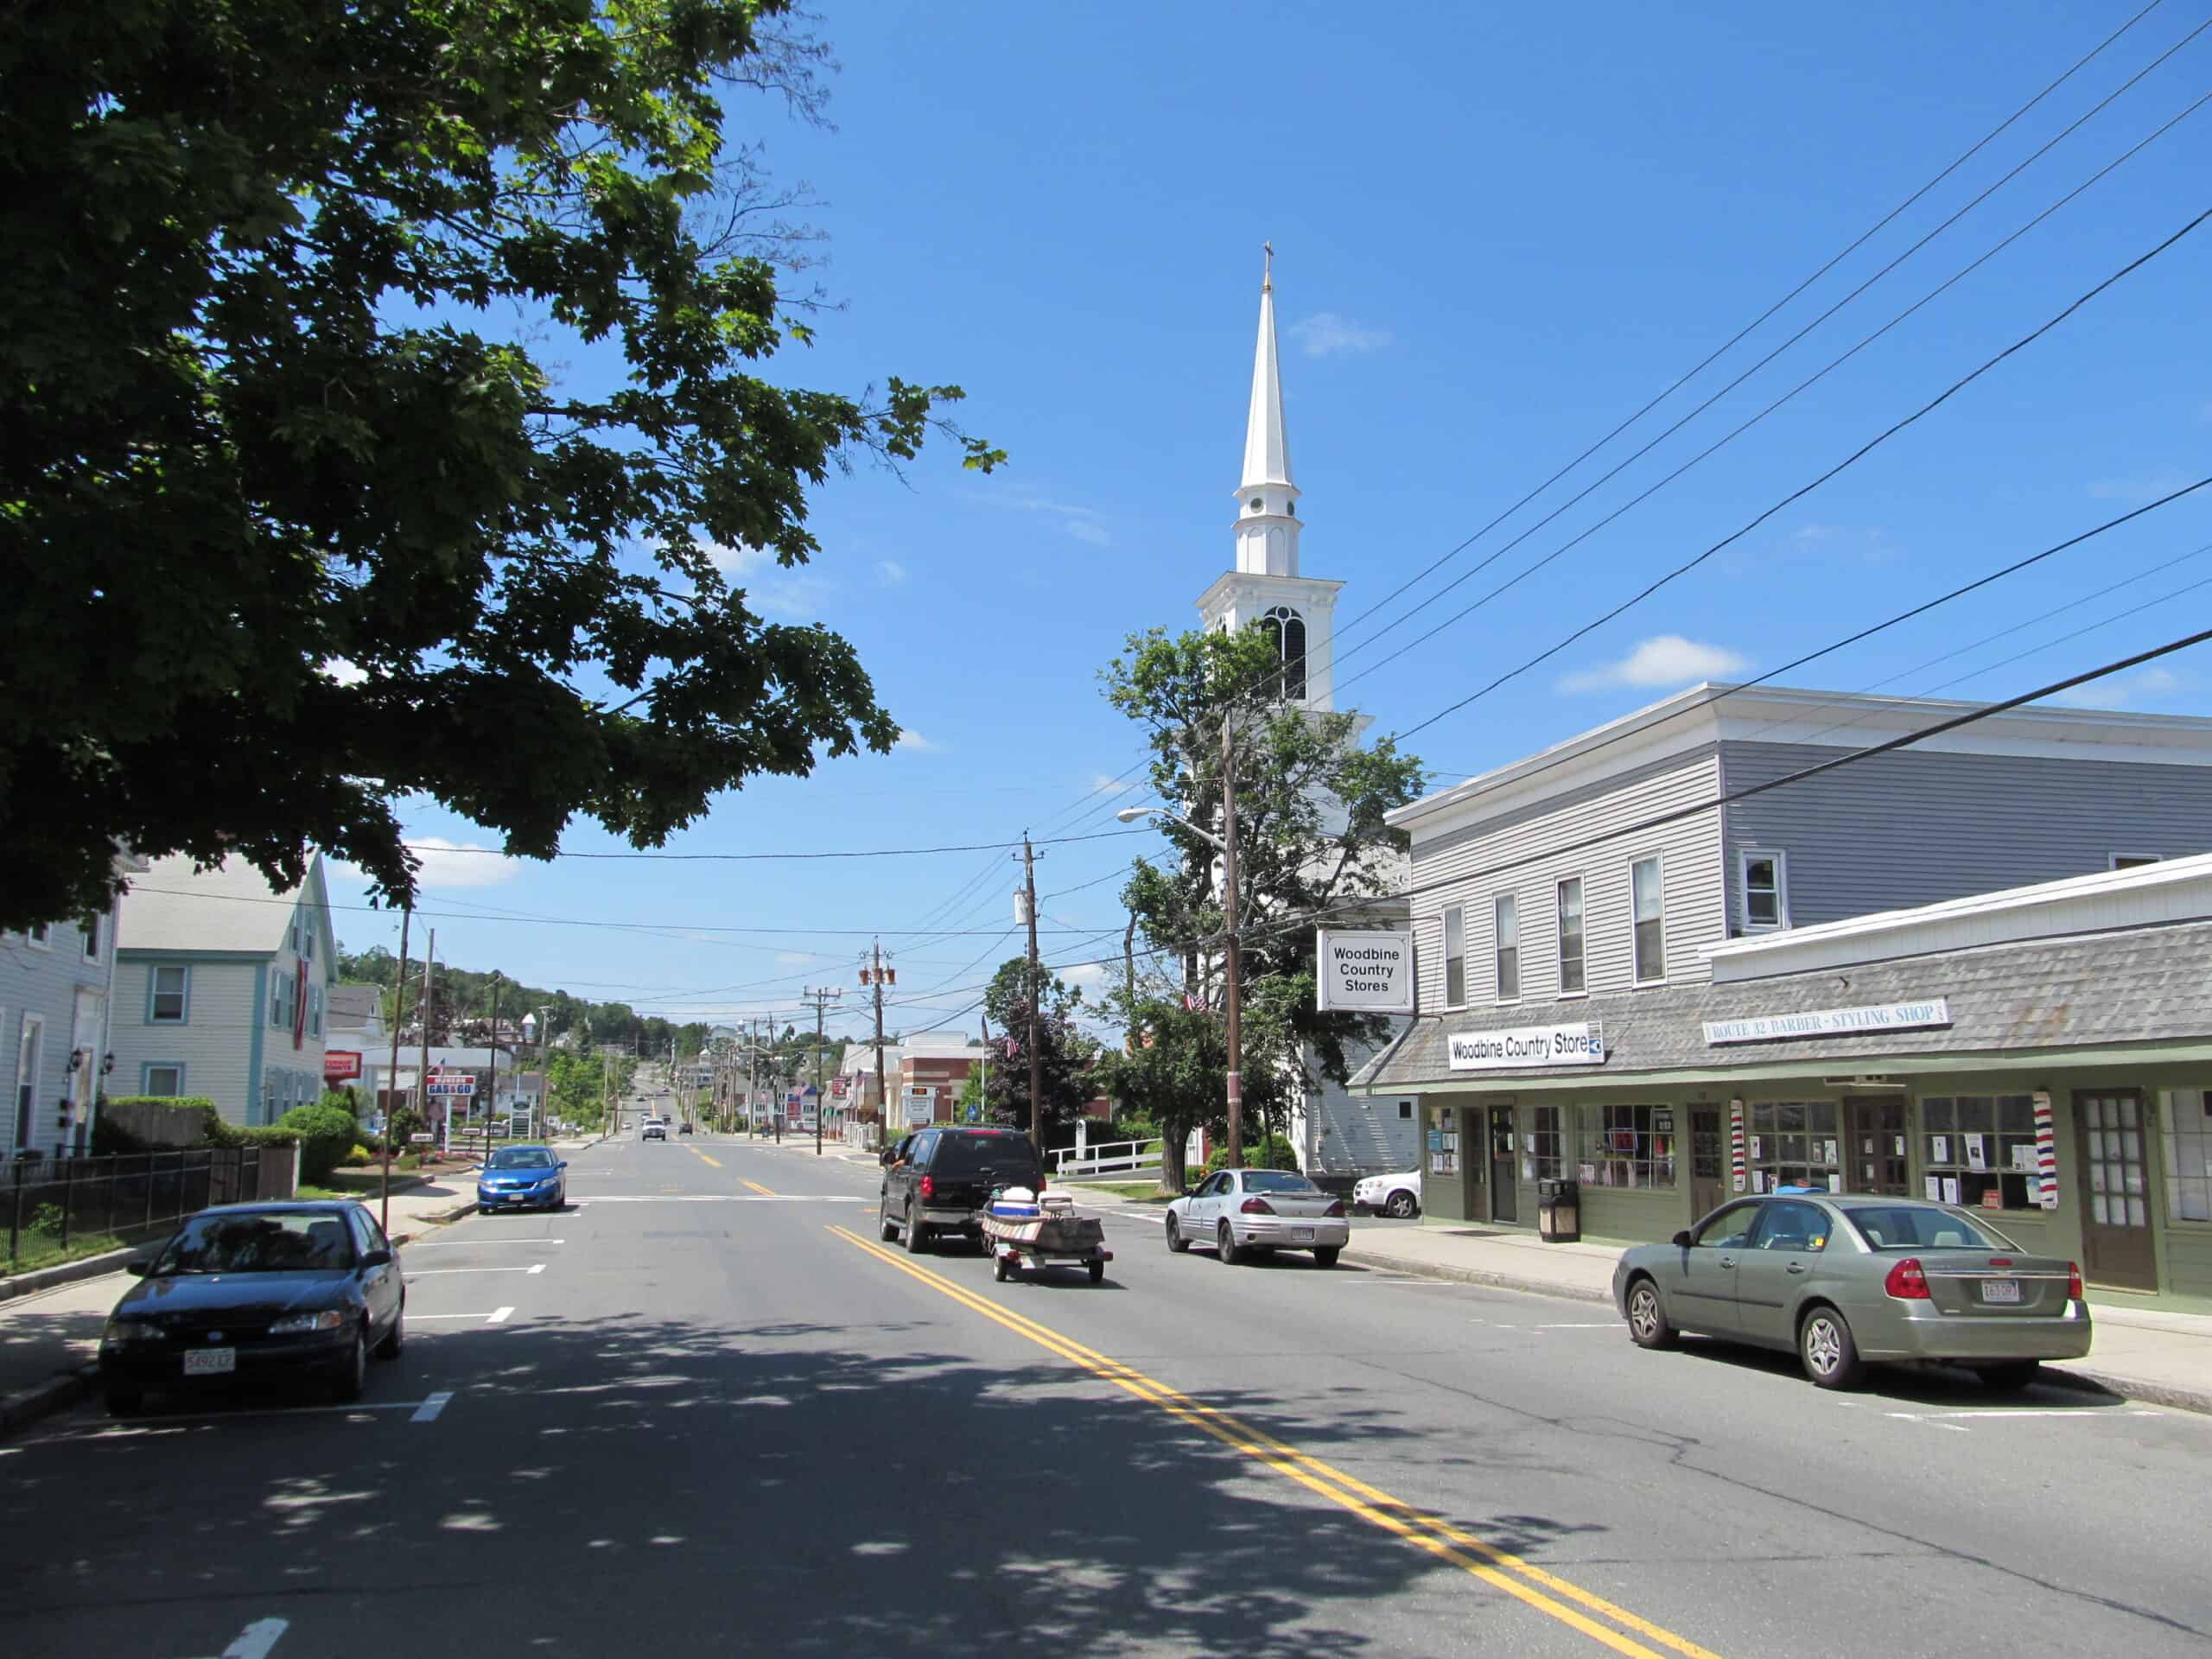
<point x="656" y="1129"/>
<point x="1394" y="1195"/>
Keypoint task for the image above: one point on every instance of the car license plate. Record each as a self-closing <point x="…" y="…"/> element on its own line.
<point x="2000" y="1290"/>
<point x="211" y="1361"/>
<point x="1305" y="1235"/>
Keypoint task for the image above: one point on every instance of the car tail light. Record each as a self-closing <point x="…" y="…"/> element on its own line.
<point x="929" y="1188"/>
<point x="2000" y="1261"/>
<point x="1907" y="1282"/>
<point x="1336" y="1209"/>
<point x="1256" y="1207"/>
<point x="2073" y="1282"/>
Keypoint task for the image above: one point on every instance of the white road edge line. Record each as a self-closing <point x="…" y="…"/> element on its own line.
<point x="416" y="1318"/>
<point x="500" y="1316"/>
<point x="434" y="1273"/>
<point x="428" y="1410"/>
<point x="256" y="1639"/>
<point x="540" y="1267"/>
<point x="472" y="1243"/>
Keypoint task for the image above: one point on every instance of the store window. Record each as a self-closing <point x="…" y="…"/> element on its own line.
<point x="1628" y="1146"/>
<point x="1570" y="937"/>
<point x="1792" y="1143"/>
<point x="1444" y="1143"/>
<point x="1547" y="1145"/>
<point x="2188" y="1135"/>
<point x="1648" y="896"/>
<point x="1979" y="1151"/>
<point x="1455" y="957"/>
<point x="1505" y="916"/>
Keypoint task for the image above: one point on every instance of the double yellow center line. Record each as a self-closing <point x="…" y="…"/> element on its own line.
<point x="1500" y="1569"/>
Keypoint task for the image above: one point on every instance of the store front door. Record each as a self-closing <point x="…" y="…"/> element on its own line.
<point x="1875" y="1160"/>
<point x="1473" y="1165"/>
<point x="1504" y="1189"/>
<point x="2112" y="1135"/>
<point x="1706" y="1190"/>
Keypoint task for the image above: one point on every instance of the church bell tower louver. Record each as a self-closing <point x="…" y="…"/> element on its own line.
<point x="1266" y="587"/>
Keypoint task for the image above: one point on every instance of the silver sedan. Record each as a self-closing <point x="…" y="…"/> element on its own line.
<point x="1846" y="1281"/>
<point x="1240" y="1210"/>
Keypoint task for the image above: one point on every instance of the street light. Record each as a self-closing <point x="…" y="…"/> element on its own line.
<point x="1232" y="953"/>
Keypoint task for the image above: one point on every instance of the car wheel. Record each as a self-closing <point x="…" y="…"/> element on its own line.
<point x="1401" y="1204"/>
<point x="1098" y="1272"/>
<point x="1826" y="1350"/>
<point x="884" y="1224"/>
<point x="1648" y="1323"/>
<point x="396" y="1338"/>
<point x="2011" y="1376"/>
<point x="125" y="1402"/>
<point x="917" y="1233"/>
<point x="353" y="1377"/>
<point x="1325" y="1255"/>
<point x="1002" y="1267"/>
<point x="1224" y="1246"/>
<point x="1176" y="1242"/>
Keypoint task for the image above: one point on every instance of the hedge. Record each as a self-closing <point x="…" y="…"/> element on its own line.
<point x="326" y="1134"/>
<point x="108" y="1139"/>
<point x="1275" y="1154"/>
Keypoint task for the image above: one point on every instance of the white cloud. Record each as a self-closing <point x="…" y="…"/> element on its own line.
<point x="1327" y="335"/>
<point x="1667" y="660"/>
<point x="910" y="739"/>
<point x="2125" y="690"/>
<point x="1086" y="976"/>
<point x="794" y="958"/>
<point x="891" y="571"/>
<point x="2140" y="486"/>
<point x="450" y="864"/>
<point x="1101" y="785"/>
<point x="1078" y="521"/>
<point x="738" y="561"/>
<point x="1086" y="530"/>
<point x="346" y="673"/>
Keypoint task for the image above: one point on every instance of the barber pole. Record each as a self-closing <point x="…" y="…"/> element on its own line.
<point x="2046" y="1193"/>
<point x="1736" y="1143"/>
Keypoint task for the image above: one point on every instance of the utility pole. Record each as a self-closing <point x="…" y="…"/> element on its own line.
<point x="1232" y="953"/>
<point x="392" y="1075"/>
<point x="423" y="1071"/>
<point x="1037" y="995"/>
<point x="874" y="974"/>
<point x="821" y="997"/>
<point x="493" y="1104"/>
<point x="983" y="1088"/>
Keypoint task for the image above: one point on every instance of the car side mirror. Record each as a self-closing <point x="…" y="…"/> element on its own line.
<point x="376" y="1259"/>
<point x="1682" y="1240"/>
<point x="139" y="1265"/>
<point x="564" y="1163"/>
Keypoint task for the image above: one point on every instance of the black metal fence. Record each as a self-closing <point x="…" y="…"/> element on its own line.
<point x="54" y="1206"/>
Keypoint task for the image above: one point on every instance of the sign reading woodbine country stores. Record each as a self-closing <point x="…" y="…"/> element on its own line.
<point x="1364" y="972"/>
<point x="1831" y="1022"/>
<point x="1488" y="1051"/>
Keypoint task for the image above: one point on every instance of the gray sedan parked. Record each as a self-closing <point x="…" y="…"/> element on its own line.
<point x="1846" y="1281"/>
<point x="1239" y="1211"/>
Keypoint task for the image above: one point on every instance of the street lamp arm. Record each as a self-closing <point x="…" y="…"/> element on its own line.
<point x="1131" y="814"/>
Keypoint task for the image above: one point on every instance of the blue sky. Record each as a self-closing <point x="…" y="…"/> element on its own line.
<point x="1497" y="231"/>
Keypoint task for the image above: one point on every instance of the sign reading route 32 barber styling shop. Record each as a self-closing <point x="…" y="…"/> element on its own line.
<point x="1365" y="973"/>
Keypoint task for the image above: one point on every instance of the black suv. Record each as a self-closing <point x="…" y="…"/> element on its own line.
<point x="939" y="1180"/>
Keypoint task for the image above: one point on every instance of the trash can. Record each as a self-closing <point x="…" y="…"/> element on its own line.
<point x="1559" y="1211"/>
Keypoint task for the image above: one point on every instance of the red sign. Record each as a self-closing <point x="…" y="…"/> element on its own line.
<point x="339" y="1063"/>
<point x="838" y="1087"/>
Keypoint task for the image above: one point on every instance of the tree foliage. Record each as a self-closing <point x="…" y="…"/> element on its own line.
<point x="1067" y="1050"/>
<point x="301" y="511"/>
<point x="1311" y="842"/>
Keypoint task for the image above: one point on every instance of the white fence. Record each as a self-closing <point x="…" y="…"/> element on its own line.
<point x="1106" y="1157"/>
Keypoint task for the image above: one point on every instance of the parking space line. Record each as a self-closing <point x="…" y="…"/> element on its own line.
<point x="439" y="1273"/>
<point x="428" y="1410"/>
<point x="501" y="1316"/>
<point x="471" y="1243"/>
<point x="256" y="1639"/>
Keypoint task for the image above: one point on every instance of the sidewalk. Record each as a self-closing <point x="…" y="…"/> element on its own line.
<point x="2163" y="1358"/>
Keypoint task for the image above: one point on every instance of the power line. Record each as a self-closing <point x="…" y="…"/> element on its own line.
<point x="1853" y="459"/>
<point x="1860" y="240"/>
<point x="744" y="858"/>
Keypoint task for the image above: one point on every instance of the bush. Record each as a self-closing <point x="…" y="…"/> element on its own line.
<point x="358" y="1157"/>
<point x="1275" y="1154"/>
<point x="325" y="1134"/>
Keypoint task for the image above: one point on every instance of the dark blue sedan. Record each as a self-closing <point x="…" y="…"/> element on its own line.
<point x="522" y="1177"/>
<point x="248" y="1292"/>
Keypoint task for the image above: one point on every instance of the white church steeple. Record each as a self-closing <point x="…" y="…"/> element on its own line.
<point x="1267" y="522"/>
<point x="1266" y="589"/>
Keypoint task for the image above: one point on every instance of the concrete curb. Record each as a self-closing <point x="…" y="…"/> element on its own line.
<point x="2173" y="1394"/>
<point x="29" y="1405"/>
<point x="90" y="1267"/>
<point x="439" y="1218"/>
<point x="1494" y="1279"/>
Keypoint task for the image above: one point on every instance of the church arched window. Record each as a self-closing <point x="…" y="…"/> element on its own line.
<point x="1285" y="629"/>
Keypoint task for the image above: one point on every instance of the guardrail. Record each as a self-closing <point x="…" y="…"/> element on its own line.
<point x="48" y="1202"/>
<point x="1107" y="1157"/>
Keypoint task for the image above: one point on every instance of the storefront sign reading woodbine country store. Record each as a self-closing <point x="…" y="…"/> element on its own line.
<point x="1831" y="1022"/>
<point x="1365" y="973"/>
<point x="1490" y="1051"/>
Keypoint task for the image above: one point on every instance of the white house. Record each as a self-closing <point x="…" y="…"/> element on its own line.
<point x="221" y="985"/>
<point x="55" y="983"/>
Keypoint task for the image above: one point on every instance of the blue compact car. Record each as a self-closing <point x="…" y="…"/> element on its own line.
<point x="523" y="1178"/>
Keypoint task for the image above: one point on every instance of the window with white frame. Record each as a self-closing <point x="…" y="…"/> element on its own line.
<point x="168" y="994"/>
<point x="1568" y="899"/>
<point x="2187" y="1130"/>
<point x="42" y="935"/>
<point x="1648" y="897"/>
<point x="163" y="1078"/>
<point x="307" y="939"/>
<point x="90" y="929"/>
<point x="1505" y="918"/>
<point x="314" y="1010"/>
<point x="283" y="1002"/>
<point x="1546" y="1142"/>
<point x="1764" y="880"/>
<point x="1455" y="957"/>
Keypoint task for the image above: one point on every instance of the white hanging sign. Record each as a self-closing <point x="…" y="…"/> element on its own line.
<point x="1364" y="972"/>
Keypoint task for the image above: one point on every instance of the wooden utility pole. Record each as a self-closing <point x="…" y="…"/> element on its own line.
<point x="822" y="998"/>
<point x="1036" y="996"/>
<point x="1232" y="954"/>
<point x="423" y="1071"/>
<point x="874" y="975"/>
<point x="392" y="1075"/>
<point x="493" y="1104"/>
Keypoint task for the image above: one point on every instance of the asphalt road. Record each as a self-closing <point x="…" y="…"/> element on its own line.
<point x="705" y="1411"/>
